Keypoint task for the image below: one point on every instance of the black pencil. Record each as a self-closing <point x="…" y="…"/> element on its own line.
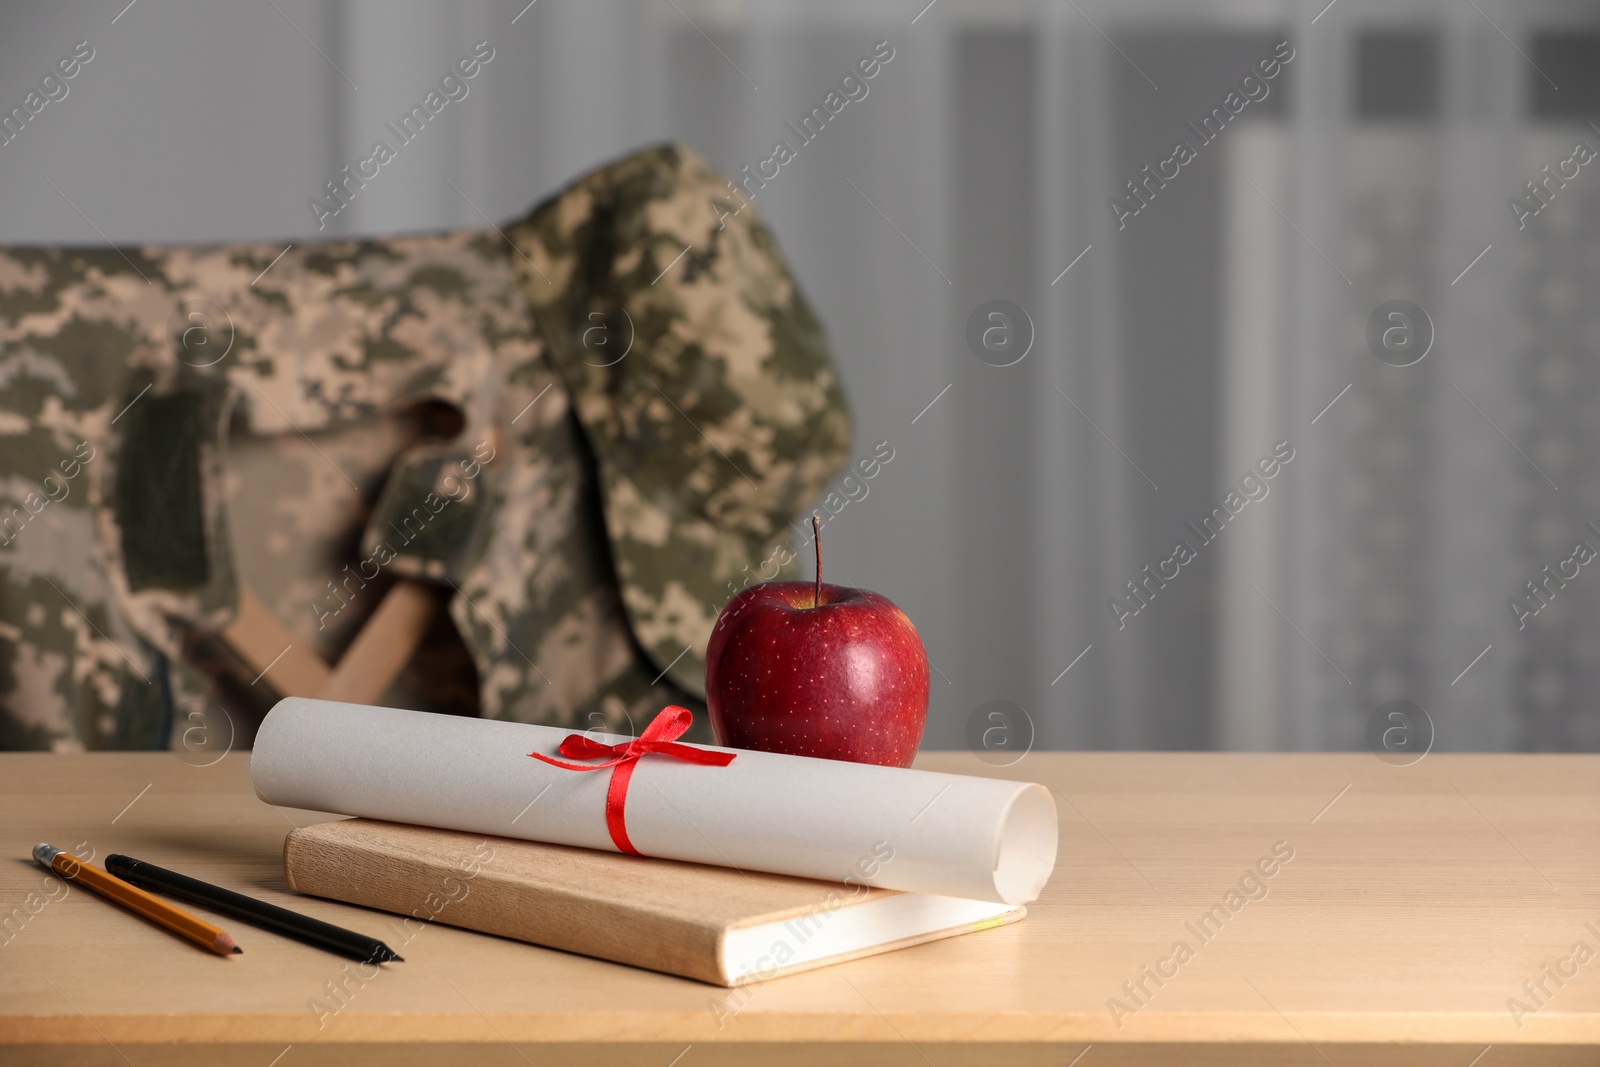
<point x="248" y="909"/>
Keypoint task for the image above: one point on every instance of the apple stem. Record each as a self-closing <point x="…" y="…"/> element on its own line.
<point x="816" y="536"/>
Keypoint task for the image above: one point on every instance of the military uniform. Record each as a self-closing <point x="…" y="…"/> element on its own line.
<point x="645" y="403"/>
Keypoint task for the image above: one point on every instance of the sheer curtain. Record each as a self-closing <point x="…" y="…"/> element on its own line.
<point x="1432" y="493"/>
<point x="1180" y="348"/>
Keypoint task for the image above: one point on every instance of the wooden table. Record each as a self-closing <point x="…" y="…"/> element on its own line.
<point x="1415" y="904"/>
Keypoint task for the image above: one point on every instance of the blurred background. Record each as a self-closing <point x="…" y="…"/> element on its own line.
<point x="1155" y="346"/>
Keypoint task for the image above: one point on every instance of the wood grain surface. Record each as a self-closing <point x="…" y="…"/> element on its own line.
<point x="1404" y="911"/>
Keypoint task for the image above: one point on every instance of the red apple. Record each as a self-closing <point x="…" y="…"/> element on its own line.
<point x="818" y="670"/>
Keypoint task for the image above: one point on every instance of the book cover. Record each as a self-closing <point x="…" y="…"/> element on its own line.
<point x="716" y="924"/>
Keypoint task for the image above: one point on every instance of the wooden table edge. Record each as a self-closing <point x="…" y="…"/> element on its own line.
<point x="1022" y="1028"/>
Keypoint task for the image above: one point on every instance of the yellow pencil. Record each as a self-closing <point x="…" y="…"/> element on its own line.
<point x="158" y="911"/>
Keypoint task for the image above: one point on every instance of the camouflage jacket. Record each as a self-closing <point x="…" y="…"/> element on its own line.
<point x="646" y="402"/>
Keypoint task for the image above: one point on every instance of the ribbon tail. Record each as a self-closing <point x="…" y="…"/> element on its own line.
<point x="574" y="766"/>
<point x="697" y="755"/>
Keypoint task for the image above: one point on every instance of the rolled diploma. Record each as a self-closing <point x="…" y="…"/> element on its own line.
<point x="956" y="835"/>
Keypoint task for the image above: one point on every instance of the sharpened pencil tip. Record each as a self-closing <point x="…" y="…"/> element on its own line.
<point x="237" y="950"/>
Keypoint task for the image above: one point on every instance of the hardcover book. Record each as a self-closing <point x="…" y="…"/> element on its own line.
<point x="716" y="924"/>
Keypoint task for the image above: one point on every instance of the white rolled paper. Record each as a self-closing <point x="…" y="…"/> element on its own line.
<point x="920" y="831"/>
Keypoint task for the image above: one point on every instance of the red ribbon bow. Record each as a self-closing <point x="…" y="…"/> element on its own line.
<point x="660" y="737"/>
